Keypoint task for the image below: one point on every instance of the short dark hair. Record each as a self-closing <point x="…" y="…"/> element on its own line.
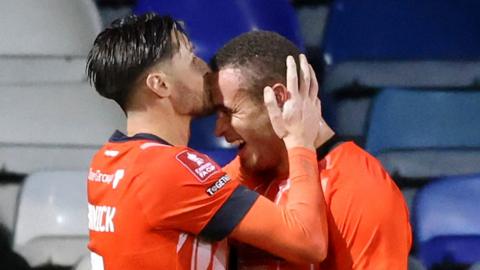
<point x="123" y="51"/>
<point x="262" y="54"/>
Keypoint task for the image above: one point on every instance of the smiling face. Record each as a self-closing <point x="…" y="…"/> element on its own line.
<point x="244" y="121"/>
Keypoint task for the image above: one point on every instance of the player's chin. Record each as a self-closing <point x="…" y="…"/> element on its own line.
<point x="252" y="161"/>
<point x="202" y="111"/>
<point x="204" y="108"/>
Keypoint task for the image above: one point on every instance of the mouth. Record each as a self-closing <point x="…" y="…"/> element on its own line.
<point x="240" y="144"/>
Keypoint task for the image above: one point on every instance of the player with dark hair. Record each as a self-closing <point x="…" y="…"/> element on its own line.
<point x="153" y="202"/>
<point x="368" y="223"/>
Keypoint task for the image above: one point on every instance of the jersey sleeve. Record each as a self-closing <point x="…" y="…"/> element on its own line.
<point x="233" y="168"/>
<point x="187" y="191"/>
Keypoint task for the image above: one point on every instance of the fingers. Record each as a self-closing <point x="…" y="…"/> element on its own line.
<point x="292" y="80"/>
<point x="318" y="105"/>
<point x="313" y="91"/>
<point x="304" y="76"/>
<point x="274" y="111"/>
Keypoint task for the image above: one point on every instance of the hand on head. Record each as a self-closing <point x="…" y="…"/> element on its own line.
<point x="299" y="121"/>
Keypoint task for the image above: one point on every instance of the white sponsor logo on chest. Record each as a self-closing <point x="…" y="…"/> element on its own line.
<point x="98" y="176"/>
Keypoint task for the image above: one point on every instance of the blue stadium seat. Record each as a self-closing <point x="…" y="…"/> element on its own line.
<point x="425" y="134"/>
<point x="52" y="223"/>
<point x="415" y="264"/>
<point x="447" y="221"/>
<point x="221" y="156"/>
<point x="211" y="25"/>
<point x="429" y="43"/>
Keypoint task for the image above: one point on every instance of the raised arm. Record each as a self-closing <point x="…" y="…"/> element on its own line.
<point x="297" y="231"/>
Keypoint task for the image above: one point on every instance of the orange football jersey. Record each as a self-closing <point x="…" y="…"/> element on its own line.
<point x="368" y="221"/>
<point x="157" y="206"/>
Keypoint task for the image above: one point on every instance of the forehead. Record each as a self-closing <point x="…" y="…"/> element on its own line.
<point x="229" y="82"/>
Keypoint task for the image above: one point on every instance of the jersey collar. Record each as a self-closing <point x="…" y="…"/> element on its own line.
<point x="328" y="146"/>
<point x="119" y="136"/>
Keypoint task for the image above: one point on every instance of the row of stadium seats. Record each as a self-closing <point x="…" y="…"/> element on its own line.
<point x="53" y="121"/>
<point x="446" y="221"/>
<point x="412" y="122"/>
<point x="47" y="106"/>
<point x="404" y="76"/>
<point x="422" y="134"/>
<point x="406" y="44"/>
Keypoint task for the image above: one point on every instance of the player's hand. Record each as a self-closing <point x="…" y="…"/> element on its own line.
<point x="299" y="121"/>
<point x="325" y="132"/>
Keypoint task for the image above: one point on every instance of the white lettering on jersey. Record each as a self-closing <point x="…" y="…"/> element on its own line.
<point x="218" y="185"/>
<point x="100" y="218"/>
<point x="98" y="176"/>
<point x="151" y="144"/>
<point x="119" y="174"/>
<point x="111" y="153"/>
<point x="193" y="157"/>
<point x="96" y="261"/>
<point x="205" y="169"/>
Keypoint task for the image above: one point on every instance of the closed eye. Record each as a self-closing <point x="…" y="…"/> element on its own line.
<point x="224" y="110"/>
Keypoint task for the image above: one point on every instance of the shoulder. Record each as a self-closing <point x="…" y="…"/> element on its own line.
<point x="233" y="168"/>
<point x="178" y="160"/>
<point x="352" y="155"/>
<point x="355" y="165"/>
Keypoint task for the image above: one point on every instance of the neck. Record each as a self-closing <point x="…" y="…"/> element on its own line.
<point x="168" y="125"/>
<point x="262" y="177"/>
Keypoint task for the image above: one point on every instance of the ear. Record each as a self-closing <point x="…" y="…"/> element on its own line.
<point x="281" y="94"/>
<point x="156" y="82"/>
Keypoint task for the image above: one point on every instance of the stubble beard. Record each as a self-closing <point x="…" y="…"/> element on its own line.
<point x="203" y="105"/>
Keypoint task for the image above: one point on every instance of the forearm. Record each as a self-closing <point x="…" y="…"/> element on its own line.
<point x="296" y="231"/>
<point x="305" y="209"/>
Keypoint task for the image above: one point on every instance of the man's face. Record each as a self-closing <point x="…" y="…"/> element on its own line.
<point x="244" y="121"/>
<point x="187" y="73"/>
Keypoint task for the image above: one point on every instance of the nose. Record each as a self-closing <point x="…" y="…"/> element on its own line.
<point x="204" y="66"/>
<point x="222" y="124"/>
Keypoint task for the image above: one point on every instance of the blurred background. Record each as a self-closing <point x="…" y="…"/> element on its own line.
<point x="399" y="77"/>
